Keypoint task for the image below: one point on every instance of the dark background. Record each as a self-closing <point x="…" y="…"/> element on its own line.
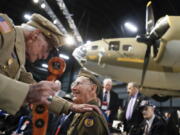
<point x="96" y="19"/>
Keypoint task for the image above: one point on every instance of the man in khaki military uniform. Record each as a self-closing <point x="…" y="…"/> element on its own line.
<point x="85" y="90"/>
<point x="31" y="41"/>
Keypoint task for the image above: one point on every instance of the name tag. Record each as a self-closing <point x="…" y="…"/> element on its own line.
<point x="104" y="106"/>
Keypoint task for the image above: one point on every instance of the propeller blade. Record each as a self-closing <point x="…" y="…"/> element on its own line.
<point x="149" y="28"/>
<point x="149" y="18"/>
<point x="145" y="65"/>
<point x="153" y="34"/>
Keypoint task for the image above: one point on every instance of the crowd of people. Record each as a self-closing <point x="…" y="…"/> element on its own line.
<point x="93" y="107"/>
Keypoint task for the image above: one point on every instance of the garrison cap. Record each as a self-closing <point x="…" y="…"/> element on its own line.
<point x="92" y="78"/>
<point x="52" y="33"/>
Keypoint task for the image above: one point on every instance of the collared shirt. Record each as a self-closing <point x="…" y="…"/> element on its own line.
<point x="134" y="99"/>
<point x="150" y="121"/>
<point x="130" y="106"/>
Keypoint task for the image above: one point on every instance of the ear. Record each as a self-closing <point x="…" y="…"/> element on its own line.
<point x="94" y="88"/>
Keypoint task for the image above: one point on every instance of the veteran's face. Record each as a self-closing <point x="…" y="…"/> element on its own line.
<point x="131" y="90"/>
<point x="148" y="112"/>
<point x="82" y="90"/>
<point x="107" y="85"/>
<point x="37" y="47"/>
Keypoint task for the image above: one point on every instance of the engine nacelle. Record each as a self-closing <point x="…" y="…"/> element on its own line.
<point x="169" y="50"/>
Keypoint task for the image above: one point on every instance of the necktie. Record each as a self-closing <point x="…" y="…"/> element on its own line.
<point x="129" y="109"/>
<point x="104" y="105"/>
<point x="146" y="130"/>
<point x="105" y="96"/>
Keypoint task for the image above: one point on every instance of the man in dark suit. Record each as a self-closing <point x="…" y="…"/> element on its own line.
<point x="110" y="101"/>
<point x="174" y="123"/>
<point x="152" y="124"/>
<point x="132" y="113"/>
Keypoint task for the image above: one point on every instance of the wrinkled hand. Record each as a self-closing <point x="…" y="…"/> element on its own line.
<point x="39" y="92"/>
<point x="85" y="108"/>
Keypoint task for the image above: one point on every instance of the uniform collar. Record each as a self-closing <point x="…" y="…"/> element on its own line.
<point x="93" y="102"/>
<point x="20" y="45"/>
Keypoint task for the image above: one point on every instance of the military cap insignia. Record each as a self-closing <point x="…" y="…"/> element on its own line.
<point x="4" y="25"/>
<point x="89" y="122"/>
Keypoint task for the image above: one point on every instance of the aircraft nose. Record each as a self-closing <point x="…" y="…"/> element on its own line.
<point x="80" y="54"/>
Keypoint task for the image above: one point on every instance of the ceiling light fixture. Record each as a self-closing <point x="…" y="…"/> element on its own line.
<point x="64" y="56"/>
<point x="36" y="1"/>
<point x="131" y="27"/>
<point x="69" y="39"/>
<point x="43" y="5"/>
<point x="44" y="65"/>
<point x="27" y="16"/>
<point x="55" y="21"/>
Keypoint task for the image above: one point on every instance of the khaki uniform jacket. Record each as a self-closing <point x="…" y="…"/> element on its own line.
<point x="88" y="123"/>
<point x="14" y="80"/>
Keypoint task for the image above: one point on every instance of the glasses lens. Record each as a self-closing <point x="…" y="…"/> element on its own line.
<point x="74" y="84"/>
<point x="78" y="83"/>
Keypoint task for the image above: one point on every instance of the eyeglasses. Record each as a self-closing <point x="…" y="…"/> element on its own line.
<point x="79" y="83"/>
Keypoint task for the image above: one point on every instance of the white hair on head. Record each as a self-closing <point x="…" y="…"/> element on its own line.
<point x="107" y="80"/>
<point x="28" y="27"/>
<point x="134" y="84"/>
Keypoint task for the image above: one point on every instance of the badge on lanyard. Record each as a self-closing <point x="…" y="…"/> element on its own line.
<point x="104" y="105"/>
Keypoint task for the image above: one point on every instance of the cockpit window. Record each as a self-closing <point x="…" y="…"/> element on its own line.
<point x="114" y="45"/>
<point x="94" y="47"/>
<point x="127" y="47"/>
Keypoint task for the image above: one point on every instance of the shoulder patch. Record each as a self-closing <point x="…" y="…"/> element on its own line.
<point x="89" y="122"/>
<point x="5" y="27"/>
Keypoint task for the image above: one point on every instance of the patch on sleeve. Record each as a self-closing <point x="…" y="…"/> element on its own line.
<point x="89" y="122"/>
<point x="4" y="25"/>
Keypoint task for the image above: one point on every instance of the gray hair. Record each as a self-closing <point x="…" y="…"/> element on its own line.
<point x="134" y="84"/>
<point x="107" y="80"/>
